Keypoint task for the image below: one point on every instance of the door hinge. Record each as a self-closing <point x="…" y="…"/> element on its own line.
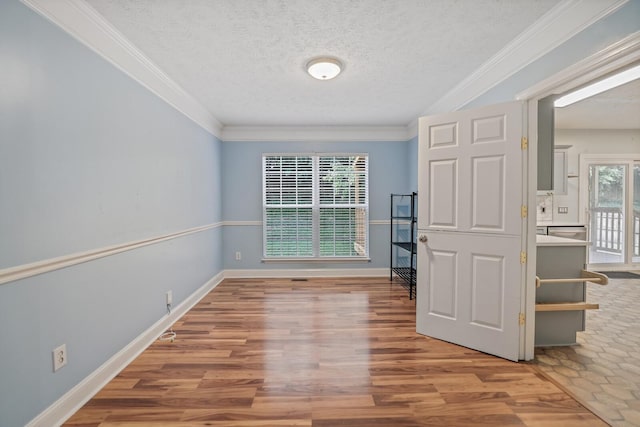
<point x="524" y="211"/>
<point x="521" y="319"/>
<point x="523" y="257"/>
<point x="524" y="143"/>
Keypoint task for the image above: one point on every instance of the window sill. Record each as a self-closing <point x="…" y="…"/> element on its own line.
<point x="323" y="260"/>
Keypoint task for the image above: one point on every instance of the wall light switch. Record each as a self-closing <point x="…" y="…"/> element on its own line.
<point x="563" y="209"/>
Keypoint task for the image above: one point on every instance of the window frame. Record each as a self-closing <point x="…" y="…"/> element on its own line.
<point x="361" y="227"/>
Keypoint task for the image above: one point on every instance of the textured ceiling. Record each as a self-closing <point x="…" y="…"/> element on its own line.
<point x="244" y="59"/>
<point x="618" y="108"/>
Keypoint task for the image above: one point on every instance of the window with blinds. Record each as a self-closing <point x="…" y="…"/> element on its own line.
<point x="315" y="206"/>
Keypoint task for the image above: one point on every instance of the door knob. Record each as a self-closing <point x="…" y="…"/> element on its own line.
<point x="423" y="238"/>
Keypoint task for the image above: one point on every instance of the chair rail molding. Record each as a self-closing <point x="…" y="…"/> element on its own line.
<point x="12" y="274"/>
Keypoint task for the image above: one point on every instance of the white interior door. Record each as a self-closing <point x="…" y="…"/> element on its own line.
<point x="470" y="193"/>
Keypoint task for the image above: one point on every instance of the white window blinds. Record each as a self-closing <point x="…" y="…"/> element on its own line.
<point x="315" y="206"/>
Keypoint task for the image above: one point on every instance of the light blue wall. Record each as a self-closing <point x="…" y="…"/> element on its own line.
<point x="90" y="158"/>
<point x="242" y="196"/>
<point x="412" y="161"/>
<point x="593" y="39"/>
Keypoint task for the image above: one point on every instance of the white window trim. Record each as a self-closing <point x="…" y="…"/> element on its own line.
<point x="315" y="207"/>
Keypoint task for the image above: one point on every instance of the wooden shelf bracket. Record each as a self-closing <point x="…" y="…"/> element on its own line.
<point x="586" y="276"/>
<point x="566" y="306"/>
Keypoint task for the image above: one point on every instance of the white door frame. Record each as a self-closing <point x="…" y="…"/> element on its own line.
<point x="615" y="56"/>
<point x="583" y="197"/>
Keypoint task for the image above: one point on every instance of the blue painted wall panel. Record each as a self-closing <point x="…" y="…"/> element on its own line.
<point x="106" y="159"/>
<point x="247" y="239"/>
<point x="412" y="153"/>
<point x="90" y="158"/>
<point x="242" y="195"/>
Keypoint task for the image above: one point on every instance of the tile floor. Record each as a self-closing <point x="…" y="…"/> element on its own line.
<point x="603" y="370"/>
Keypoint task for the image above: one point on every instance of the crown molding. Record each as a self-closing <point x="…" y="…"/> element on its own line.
<point x="86" y="25"/>
<point x="412" y="128"/>
<point x="609" y="59"/>
<point x="315" y="133"/>
<point x="557" y="26"/>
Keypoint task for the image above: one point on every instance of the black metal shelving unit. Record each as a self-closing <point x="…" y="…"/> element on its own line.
<point x="403" y="260"/>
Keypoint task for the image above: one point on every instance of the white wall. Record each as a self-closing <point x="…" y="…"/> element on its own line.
<point x="589" y="141"/>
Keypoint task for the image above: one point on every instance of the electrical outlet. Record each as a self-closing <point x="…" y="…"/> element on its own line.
<point x="169" y="297"/>
<point x="238" y="256"/>
<point x="59" y="357"/>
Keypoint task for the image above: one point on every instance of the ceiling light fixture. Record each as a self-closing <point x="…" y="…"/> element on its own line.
<point x="599" y="87"/>
<point x="324" y="68"/>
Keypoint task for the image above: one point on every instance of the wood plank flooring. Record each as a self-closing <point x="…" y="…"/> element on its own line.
<point x="321" y="353"/>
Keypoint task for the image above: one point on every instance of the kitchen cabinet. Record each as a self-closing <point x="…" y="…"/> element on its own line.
<point x="546" y="131"/>
<point x="561" y="291"/>
<point x="560" y="172"/>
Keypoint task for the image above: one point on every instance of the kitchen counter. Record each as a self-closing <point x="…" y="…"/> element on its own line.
<point x="559" y="224"/>
<point x="543" y="240"/>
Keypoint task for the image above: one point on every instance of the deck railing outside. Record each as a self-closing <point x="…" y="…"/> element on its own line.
<point x="607" y="226"/>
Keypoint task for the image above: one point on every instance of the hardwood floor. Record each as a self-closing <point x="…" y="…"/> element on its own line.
<point x="321" y="353"/>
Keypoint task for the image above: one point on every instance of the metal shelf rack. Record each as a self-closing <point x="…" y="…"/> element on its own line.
<point x="403" y="260"/>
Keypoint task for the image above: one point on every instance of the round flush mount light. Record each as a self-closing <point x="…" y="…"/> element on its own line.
<point x="324" y="68"/>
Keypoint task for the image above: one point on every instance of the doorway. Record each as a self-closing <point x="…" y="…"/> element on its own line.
<point x="611" y="202"/>
<point x="606" y="384"/>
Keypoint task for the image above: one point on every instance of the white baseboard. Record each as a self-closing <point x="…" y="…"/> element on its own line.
<point x="306" y="273"/>
<point x="67" y="405"/>
<point x="72" y="401"/>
